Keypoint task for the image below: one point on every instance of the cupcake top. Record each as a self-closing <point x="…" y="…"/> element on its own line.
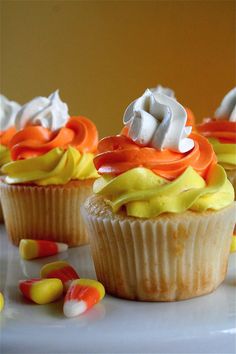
<point x="50" y="147"/>
<point x="8" y="111"/>
<point x="221" y="131"/>
<point x="157" y="165"/>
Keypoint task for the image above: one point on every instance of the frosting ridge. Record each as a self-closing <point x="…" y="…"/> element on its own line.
<point x="118" y="154"/>
<point x="145" y="194"/>
<point x="8" y="111"/>
<point x="33" y="141"/>
<point x="55" y="167"/>
<point x="49" y="113"/>
<point x="227" y="108"/>
<point x="158" y="121"/>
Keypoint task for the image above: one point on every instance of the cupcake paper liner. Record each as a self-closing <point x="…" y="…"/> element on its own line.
<point x="171" y="257"/>
<point x="50" y="213"/>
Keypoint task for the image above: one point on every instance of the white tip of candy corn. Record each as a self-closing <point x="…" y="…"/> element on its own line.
<point x="74" y="308"/>
<point x="61" y="247"/>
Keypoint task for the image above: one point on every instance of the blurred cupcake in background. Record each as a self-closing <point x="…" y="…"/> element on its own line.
<point x="8" y="111"/>
<point x="170" y="93"/>
<point x="51" y="173"/>
<point x="221" y="132"/>
<point x="161" y="219"/>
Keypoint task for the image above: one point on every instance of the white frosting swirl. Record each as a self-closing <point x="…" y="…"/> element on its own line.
<point x="49" y="112"/>
<point x="227" y="109"/>
<point x="158" y="121"/>
<point x="164" y="90"/>
<point x="8" y="111"/>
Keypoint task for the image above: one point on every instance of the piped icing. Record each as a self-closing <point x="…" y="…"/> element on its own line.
<point x="33" y="141"/>
<point x="49" y="113"/>
<point x="8" y="111"/>
<point x="58" y="166"/>
<point x="147" y="181"/>
<point x="145" y="194"/>
<point x="221" y="131"/>
<point x="227" y="108"/>
<point x="118" y="154"/>
<point x="159" y="121"/>
<point x="163" y="90"/>
<point x="169" y="92"/>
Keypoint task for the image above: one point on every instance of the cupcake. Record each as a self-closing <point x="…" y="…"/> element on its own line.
<point x="162" y="214"/>
<point x="221" y="132"/>
<point x="8" y="111"/>
<point x="51" y="173"/>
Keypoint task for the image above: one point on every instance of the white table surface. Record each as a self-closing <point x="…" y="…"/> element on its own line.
<point x="202" y="325"/>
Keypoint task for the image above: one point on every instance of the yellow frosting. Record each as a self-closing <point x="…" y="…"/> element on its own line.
<point x="56" y="167"/>
<point x="5" y="155"/>
<point x="145" y="194"/>
<point x="226" y="154"/>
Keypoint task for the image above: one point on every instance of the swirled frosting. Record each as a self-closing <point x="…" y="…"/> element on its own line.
<point x="5" y="155"/>
<point x="8" y="111"/>
<point x="145" y="194"/>
<point x="58" y="166"/>
<point x="226" y="153"/>
<point x="221" y="131"/>
<point x="227" y="108"/>
<point x="118" y="154"/>
<point x="49" y="113"/>
<point x="158" y="121"/>
<point x="163" y="90"/>
<point x="169" y="92"/>
<point x="33" y="141"/>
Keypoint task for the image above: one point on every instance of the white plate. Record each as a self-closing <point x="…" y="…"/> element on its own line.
<point x="201" y="325"/>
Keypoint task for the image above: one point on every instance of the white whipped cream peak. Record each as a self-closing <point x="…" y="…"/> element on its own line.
<point x="164" y="90"/>
<point x="49" y="112"/>
<point x="8" y="111"/>
<point x="227" y="108"/>
<point x="158" y="121"/>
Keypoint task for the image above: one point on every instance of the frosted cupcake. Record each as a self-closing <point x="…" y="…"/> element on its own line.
<point x="8" y="111"/>
<point x="161" y="219"/>
<point x="221" y="132"/>
<point x="51" y="174"/>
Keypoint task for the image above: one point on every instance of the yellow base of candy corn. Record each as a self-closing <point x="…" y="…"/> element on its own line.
<point x="28" y="249"/>
<point x="46" y="291"/>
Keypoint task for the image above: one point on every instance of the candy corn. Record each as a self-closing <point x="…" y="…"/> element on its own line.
<point x="30" y="249"/>
<point x="233" y="244"/>
<point x="81" y="296"/>
<point x="1" y="301"/>
<point x="61" y="270"/>
<point x="41" y="291"/>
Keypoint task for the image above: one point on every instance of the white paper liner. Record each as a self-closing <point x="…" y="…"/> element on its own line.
<point x="163" y="259"/>
<point x="50" y="213"/>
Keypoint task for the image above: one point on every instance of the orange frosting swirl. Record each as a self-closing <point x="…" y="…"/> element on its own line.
<point x="117" y="154"/>
<point x="222" y="130"/>
<point x="6" y="135"/>
<point x="33" y="141"/>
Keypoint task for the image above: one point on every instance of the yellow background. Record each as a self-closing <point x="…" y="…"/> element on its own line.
<point x="103" y="54"/>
